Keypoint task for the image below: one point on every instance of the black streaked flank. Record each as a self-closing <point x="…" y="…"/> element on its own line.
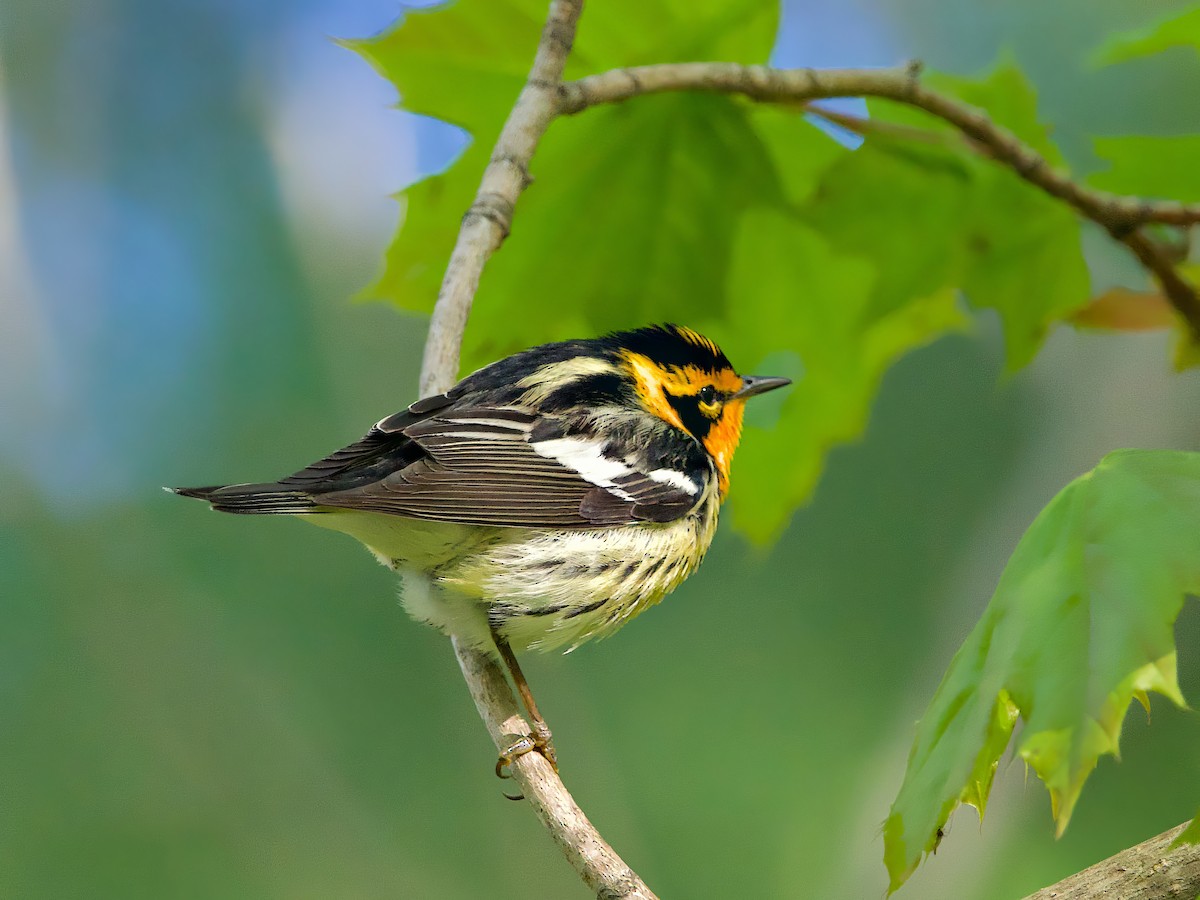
<point x="544" y="610"/>
<point x="590" y="607"/>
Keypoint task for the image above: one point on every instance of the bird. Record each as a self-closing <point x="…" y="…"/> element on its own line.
<point x="544" y="500"/>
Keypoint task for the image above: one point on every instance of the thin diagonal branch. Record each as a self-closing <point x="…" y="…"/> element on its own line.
<point x="900" y="84"/>
<point x="487" y="223"/>
<point x="1151" y="870"/>
<point x="1122" y="216"/>
<point x="484" y="228"/>
<point x="1177" y="290"/>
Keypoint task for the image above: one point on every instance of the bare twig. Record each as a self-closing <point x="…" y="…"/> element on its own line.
<point x="484" y="228"/>
<point x="1121" y="216"/>
<point x="487" y="223"/>
<point x="1149" y="871"/>
<point x="902" y="85"/>
<point x="596" y="862"/>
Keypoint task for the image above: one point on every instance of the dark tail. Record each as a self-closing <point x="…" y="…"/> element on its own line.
<point x="251" y="499"/>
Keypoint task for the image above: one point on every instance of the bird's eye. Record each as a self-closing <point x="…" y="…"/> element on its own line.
<point x="707" y="394"/>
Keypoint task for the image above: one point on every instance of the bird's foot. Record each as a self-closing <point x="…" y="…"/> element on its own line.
<point x="521" y="744"/>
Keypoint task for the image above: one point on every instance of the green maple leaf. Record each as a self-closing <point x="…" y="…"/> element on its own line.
<point x="1080" y="625"/>
<point x="821" y="309"/>
<point x="1005" y="243"/>
<point x="465" y="63"/>
<point x="1150" y="166"/>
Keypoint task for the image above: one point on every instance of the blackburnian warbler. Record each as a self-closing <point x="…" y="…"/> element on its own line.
<point x="545" y="500"/>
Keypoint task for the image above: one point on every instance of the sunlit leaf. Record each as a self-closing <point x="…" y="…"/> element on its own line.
<point x="633" y="220"/>
<point x="820" y="307"/>
<point x="940" y="213"/>
<point x="1009" y="99"/>
<point x="1171" y="31"/>
<point x="1026" y="262"/>
<point x="466" y="62"/>
<point x="902" y="206"/>
<point x="1147" y="166"/>
<point x="1080" y="624"/>
<point x="1024" y="255"/>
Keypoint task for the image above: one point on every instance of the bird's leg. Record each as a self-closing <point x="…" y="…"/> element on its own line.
<point x="540" y="739"/>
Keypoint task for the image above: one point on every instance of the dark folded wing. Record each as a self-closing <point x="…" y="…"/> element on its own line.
<point x="383" y="450"/>
<point x="484" y="466"/>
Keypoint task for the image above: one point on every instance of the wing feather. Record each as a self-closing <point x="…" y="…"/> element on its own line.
<point x="483" y="466"/>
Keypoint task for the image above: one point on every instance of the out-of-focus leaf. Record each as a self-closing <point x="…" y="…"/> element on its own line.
<point x="1172" y="31"/>
<point x="1122" y="309"/>
<point x="902" y="206"/>
<point x="820" y="307"/>
<point x="1025" y="261"/>
<point x="1129" y="310"/>
<point x="938" y="213"/>
<point x="1080" y="624"/>
<point x="466" y="63"/>
<point x="1024" y="256"/>
<point x="1010" y="100"/>
<point x="636" y="222"/>
<point x="1187" y="353"/>
<point x="1148" y="166"/>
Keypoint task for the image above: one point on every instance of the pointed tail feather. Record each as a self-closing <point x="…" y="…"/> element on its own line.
<point x="251" y="499"/>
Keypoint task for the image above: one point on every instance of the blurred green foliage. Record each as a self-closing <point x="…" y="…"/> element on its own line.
<point x="1173" y="30"/>
<point x="205" y="706"/>
<point x="1161" y="166"/>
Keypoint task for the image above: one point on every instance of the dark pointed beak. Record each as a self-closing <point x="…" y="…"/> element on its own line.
<point x="759" y="384"/>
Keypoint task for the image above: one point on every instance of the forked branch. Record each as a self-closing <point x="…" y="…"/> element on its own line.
<point x="1121" y="216"/>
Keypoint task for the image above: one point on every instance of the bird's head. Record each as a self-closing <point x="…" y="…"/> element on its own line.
<point x="672" y="373"/>
<point x="684" y="378"/>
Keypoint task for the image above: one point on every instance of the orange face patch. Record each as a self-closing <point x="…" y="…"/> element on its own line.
<point x="652" y="379"/>
<point x="656" y="384"/>
<point x="723" y="439"/>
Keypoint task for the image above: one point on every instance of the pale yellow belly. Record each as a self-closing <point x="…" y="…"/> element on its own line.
<point x="556" y="589"/>
<point x="542" y="589"/>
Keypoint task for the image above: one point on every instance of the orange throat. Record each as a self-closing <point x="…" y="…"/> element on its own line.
<point x="723" y="439"/>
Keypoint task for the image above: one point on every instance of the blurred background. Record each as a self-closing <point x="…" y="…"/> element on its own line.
<point x="191" y="194"/>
